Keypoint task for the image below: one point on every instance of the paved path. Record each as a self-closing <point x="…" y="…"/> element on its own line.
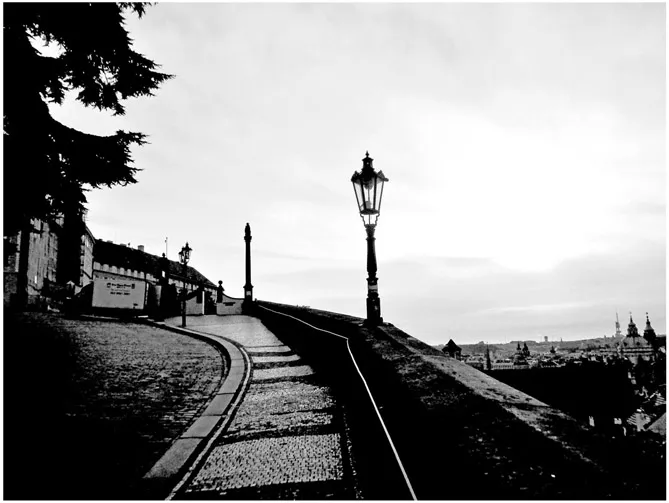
<point x="92" y="404"/>
<point x="286" y="439"/>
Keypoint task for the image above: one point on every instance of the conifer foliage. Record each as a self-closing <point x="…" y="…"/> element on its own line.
<point x="48" y="166"/>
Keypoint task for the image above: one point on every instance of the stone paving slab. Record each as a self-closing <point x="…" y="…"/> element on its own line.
<point x="282" y="372"/>
<point x="283" y="460"/>
<point x="245" y="330"/>
<point x="275" y="359"/>
<point x="174" y="459"/>
<point x="231" y="384"/>
<point x="286" y="395"/>
<point x="269" y="349"/>
<point x="219" y="405"/>
<point x="202" y="427"/>
<point x="237" y="363"/>
<point x="203" y="321"/>
<point x="270" y="407"/>
<point x="235" y="373"/>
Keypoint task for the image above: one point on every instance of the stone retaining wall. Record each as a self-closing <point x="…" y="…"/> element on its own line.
<point x="462" y="434"/>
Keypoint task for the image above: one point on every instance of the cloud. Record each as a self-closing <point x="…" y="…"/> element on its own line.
<point x="576" y="299"/>
<point x="524" y="145"/>
<point x="536" y="308"/>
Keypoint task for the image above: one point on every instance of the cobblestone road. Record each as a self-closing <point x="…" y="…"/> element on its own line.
<point x="93" y="404"/>
<point x="286" y="440"/>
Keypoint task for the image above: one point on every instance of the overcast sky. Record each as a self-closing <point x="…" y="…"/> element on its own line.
<point x="524" y="143"/>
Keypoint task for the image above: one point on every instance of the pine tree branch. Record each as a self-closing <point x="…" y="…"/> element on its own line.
<point x="48" y="165"/>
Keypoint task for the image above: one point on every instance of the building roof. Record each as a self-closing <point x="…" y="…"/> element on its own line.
<point x="451" y="346"/>
<point x="633" y="339"/>
<point x="660" y="425"/>
<point x="106" y="252"/>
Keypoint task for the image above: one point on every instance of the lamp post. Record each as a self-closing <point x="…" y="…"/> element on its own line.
<point x="368" y="188"/>
<point x="248" y="287"/>
<point x="184" y="257"/>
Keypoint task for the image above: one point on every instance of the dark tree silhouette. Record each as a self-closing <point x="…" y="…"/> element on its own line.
<point x="48" y="166"/>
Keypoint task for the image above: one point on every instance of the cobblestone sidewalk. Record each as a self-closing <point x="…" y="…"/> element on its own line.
<point x="286" y="440"/>
<point x="91" y="404"/>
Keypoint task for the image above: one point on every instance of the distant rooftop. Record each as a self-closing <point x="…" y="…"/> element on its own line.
<point x="120" y="255"/>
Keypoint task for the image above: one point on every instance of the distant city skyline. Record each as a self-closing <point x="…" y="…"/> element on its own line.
<point x="524" y="143"/>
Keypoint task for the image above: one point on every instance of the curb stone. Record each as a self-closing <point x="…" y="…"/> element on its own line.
<point x="170" y="468"/>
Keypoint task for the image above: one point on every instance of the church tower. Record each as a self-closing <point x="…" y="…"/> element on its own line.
<point x="633" y="346"/>
<point x="649" y="333"/>
<point x="632" y="331"/>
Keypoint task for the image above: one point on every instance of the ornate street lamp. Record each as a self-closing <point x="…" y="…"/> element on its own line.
<point x="184" y="257"/>
<point x="368" y="187"/>
<point x="247" y="303"/>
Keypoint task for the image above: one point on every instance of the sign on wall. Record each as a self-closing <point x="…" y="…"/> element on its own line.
<point x="119" y="293"/>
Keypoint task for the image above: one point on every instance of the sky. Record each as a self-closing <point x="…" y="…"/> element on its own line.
<point x="524" y="146"/>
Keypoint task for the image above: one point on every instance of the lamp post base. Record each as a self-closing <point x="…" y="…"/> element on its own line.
<point x="373" y="310"/>
<point x="372" y="323"/>
<point x="183" y="309"/>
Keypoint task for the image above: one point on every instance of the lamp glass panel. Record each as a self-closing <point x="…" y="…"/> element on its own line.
<point x="368" y="187"/>
<point x="379" y="194"/>
<point x="359" y="196"/>
<point x="368" y="190"/>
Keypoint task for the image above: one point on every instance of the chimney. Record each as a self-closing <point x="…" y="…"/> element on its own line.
<point x="140" y="248"/>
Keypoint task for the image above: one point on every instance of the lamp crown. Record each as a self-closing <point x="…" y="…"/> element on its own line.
<point x="367" y="162"/>
<point x="184" y="254"/>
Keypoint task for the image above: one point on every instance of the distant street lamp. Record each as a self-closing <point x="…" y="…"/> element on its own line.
<point x="184" y="257"/>
<point x="368" y="187"/>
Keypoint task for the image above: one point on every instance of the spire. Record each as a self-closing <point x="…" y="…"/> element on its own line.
<point x="632" y="331"/>
<point x="649" y="332"/>
<point x="618" y="332"/>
